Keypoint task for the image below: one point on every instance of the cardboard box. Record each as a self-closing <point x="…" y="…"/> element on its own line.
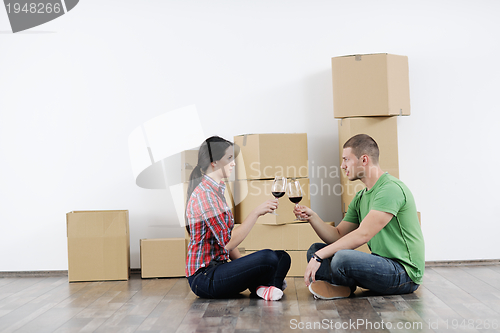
<point x="265" y="156"/>
<point x="98" y="245"/>
<point x="163" y="257"/>
<point x="294" y="236"/>
<point x="370" y="85"/>
<point x="364" y="248"/>
<point x="298" y="264"/>
<point x="384" y="130"/>
<point x="248" y="194"/>
<point x="189" y="159"/>
<point x="288" y="237"/>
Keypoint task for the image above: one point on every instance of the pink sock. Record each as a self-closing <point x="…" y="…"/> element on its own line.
<point x="269" y="293"/>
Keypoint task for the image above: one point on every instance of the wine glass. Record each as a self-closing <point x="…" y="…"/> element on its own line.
<point x="295" y="193"/>
<point x="278" y="188"/>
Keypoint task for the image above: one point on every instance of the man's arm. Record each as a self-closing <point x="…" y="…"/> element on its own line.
<point x="327" y="232"/>
<point x="373" y="222"/>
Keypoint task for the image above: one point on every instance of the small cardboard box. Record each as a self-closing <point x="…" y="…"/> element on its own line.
<point x="98" y="245"/>
<point x="384" y="130"/>
<point x="370" y="85"/>
<point x="248" y="194"/>
<point x="294" y="236"/>
<point x="163" y="257"/>
<point x="265" y="156"/>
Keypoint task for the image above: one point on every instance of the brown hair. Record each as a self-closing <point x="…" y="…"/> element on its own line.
<point x="363" y="144"/>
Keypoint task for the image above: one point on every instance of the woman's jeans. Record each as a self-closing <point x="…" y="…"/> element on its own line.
<point x="355" y="268"/>
<point x="228" y="279"/>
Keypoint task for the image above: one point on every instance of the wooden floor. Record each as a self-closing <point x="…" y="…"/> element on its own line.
<point x="451" y="299"/>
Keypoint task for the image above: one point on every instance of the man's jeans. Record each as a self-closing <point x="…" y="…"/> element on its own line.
<point x="355" y="268"/>
<point x="228" y="279"/>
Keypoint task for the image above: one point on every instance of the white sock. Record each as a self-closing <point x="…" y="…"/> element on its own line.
<point x="269" y="293"/>
<point x="283" y="287"/>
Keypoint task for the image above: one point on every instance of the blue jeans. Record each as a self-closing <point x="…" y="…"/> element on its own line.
<point x="370" y="271"/>
<point x="228" y="279"/>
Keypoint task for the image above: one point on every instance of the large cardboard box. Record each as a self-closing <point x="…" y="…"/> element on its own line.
<point x="384" y="130"/>
<point x="288" y="237"/>
<point x="248" y="194"/>
<point x="298" y="262"/>
<point x="364" y="248"/>
<point x="265" y="156"/>
<point x="163" y="257"/>
<point x="98" y="245"/>
<point x="370" y="85"/>
<point x="294" y="236"/>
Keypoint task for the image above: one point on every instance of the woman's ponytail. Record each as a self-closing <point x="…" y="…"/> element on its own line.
<point x="194" y="181"/>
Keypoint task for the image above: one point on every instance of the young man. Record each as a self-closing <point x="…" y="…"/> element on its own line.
<point x="384" y="216"/>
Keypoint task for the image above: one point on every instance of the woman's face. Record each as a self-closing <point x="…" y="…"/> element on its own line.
<point x="227" y="162"/>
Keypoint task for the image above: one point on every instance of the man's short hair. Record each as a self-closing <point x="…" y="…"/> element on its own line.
<point x="363" y="144"/>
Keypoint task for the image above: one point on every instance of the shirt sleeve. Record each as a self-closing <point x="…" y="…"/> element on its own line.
<point x="215" y="218"/>
<point x="352" y="214"/>
<point x="390" y="199"/>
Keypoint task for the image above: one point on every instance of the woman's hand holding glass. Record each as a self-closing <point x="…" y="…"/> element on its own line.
<point x="268" y="206"/>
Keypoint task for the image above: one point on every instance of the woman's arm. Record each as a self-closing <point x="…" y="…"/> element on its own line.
<point x="234" y="254"/>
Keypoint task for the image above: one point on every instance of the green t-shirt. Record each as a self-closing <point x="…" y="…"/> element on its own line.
<point x="401" y="238"/>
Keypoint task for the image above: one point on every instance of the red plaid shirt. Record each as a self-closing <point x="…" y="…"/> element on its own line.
<point x="210" y="224"/>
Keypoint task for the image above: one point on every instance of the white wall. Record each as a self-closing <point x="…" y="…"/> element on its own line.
<point x="72" y="90"/>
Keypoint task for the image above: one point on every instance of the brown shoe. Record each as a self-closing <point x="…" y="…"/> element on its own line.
<point x="325" y="290"/>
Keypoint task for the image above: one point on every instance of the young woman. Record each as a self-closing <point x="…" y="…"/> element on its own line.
<point x="214" y="266"/>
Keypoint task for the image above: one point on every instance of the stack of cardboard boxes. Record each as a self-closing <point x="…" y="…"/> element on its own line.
<point x="369" y="92"/>
<point x="262" y="157"/>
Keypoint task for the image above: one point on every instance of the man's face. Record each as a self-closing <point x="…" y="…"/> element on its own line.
<point x="351" y="165"/>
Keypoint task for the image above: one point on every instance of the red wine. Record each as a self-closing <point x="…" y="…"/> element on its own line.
<point x="295" y="200"/>
<point x="278" y="194"/>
